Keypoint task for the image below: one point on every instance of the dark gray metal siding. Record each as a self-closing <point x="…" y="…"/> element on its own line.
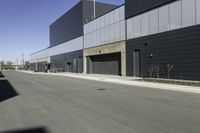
<point x="135" y="7"/>
<point x="41" y="67"/>
<point x="70" y="25"/>
<point x="67" y="27"/>
<point x="64" y="62"/>
<point x="101" y="9"/>
<point x="106" y="64"/>
<point x="180" y="48"/>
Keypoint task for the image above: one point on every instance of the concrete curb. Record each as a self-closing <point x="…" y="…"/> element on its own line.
<point x="161" y="86"/>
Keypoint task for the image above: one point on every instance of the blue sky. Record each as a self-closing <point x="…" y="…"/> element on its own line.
<point x="24" y="24"/>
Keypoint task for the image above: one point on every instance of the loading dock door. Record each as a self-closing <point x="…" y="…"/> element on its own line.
<point x="105" y="64"/>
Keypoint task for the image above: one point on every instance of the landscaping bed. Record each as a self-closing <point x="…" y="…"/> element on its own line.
<point x="171" y="81"/>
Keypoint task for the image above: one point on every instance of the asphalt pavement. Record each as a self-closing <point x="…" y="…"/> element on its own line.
<point x="57" y="104"/>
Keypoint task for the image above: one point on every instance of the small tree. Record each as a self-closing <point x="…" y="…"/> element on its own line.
<point x="9" y="63"/>
<point x="169" y="68"/>
<point x="151" y="70"/>
<point x="157" y="70"/>
<point x="2" y="62"/>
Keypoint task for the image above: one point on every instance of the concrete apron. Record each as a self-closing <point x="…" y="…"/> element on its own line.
<point x="126" y="81"/>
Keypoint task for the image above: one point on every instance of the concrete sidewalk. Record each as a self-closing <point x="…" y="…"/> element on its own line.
<point x="126" y="81"/>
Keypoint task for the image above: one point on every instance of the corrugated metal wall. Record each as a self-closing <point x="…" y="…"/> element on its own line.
<point x="39" y="55"/>
<point x="176" y="15"/>
<point x="68" y="62"/>
<point x="180" y="48"/>
<point x="70" y="46"/>
<point x="108" y="28"/>
<point x="68" y="26"/>
<point x="135" y="7"/>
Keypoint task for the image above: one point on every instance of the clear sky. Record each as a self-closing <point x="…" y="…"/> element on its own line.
<point x="24" y="24"/>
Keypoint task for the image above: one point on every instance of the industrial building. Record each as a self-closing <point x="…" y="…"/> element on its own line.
<point x="65" y="53"/>
<point x="163" y="36"/>
<point x="142" y="38"/>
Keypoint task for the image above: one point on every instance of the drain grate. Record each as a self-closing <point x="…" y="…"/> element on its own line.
<point x="101" y="89"/>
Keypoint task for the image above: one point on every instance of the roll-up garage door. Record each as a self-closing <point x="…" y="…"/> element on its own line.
<point x="105" y="64"/>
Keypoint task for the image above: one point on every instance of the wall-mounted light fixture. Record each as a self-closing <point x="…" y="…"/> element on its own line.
<point x="146" y="43"/>
<point x="151" y="55"/>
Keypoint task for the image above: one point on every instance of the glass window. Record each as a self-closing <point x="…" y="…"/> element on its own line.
<point x="164" y="18"/>
<point x="145" y="24"/>
<point x="188" y="12"/>
<point x="136" y="26"/>
<point x="198" y="11"/>
<point x="175" y="15"/>
<point x="154" y="21"/>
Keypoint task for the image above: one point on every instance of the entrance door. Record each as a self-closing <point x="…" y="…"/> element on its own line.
<point x="75" y="65"/>
<point x="136" y="63"/>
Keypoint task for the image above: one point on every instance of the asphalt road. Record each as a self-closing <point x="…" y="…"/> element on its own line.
<point x="56" y="104"/>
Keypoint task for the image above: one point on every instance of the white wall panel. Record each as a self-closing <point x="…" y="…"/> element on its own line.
<point x="112" y="37"/>
<point x="98" y="37"/>
<point x="122" y="30"/>
<point x="111" y="16"/>
<point x="129" y="28"/>
<point x="197" y="11"/>
<point x="175" y="15"/>
<point x="154" y="21"/>
<point x="40" y="54"/>
<point x="164" y="18"/>
<point x="122" y="13"/>
<point x="102" y="36"/>
<point x="137" y="26"/>
<point x="70" y="46"/>
<point x="107" y="35"/>
<point x="188" y="13"/>
<point x="117" y="15"/>
<point x="107" y="20"/>
<point x="102" y="19"/>
<point x="117" y="32"/>
<point x="145" y="24"/>
<point x="108" y="28"/>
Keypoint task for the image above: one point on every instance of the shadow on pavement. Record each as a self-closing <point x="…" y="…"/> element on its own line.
<point x="6" y="90"/>
<point x="34" y="130"/>
<point x="1" y="75"/>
